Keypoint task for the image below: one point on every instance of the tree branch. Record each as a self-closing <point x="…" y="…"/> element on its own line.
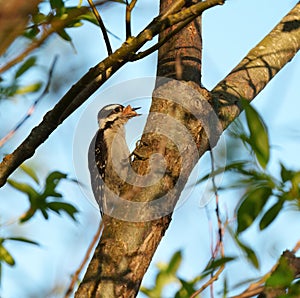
<point x="162" y="41"/>
<point x="102" y="27"/>
<point x="213" y="278"/>
<point x="257" y="69"/>
<point x="129" y="8"/>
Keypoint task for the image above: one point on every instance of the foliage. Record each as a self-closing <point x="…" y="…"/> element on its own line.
<point x="40" y="199"/>
<point x="55" y="18"/>
<point x="265" y="196"/>
<point x="5" y="255"/>
<point x="58" y="20"/>
<point x="258" y="138"/>
<point x="282" y="280"/>
<point x="168" y="275"/>
<point x="14" y="87"/>
<point x="261" y="186"/>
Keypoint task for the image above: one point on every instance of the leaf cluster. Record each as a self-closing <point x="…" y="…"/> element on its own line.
<point x="282" y="280"/>
<point x="14" y="87"/>
<point x="59" y="13"/>
<point x="265" y="196"/>
<point x="41" y="199"/>
<point x="168" y="274"/>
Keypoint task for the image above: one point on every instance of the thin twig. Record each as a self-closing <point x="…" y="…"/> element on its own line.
<point x="209" y="282"/>
<point x="143" y="54"/>
<point x="102" y="27"/>
<point x="215" y="188"/>
<point x="251" y="292"/>
<point x="102" y="2"/>
<point x="129" y="8"/>
<point x="219" y="245"/>
<point x="31" y="108"/>
<point x="296" y="247"/>
<point x="84" y="261"/>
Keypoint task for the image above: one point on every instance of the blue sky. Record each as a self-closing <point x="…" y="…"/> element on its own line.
<point x="229" y="32"/>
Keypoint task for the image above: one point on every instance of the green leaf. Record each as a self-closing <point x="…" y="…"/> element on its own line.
<point x="54" y="177"/>
<point x="39" y="18"/>
<point x="285" y="173"/>
<point x="25" y="66"/>
<point x="90" y="17"/>
<point x="214" y="264"/>
<point x="282" y="276"/>
<point x="61" y="206"/>
<point x="75" y="24"/>
<point x="30" y="172"/>
<point x="39" y="199"/>
<point x="45" y="214"/>
<point x="23" y="187"/>
<point x="6" y="256"/>
<point x="22" y="239"/>
<point x="29" y="213"/>
<point x="237" y="166"/>
<point x="251" y="256"/>
<point x="64" y="35"/>
<point x="252" y="204"/>
<point x="57" y="4"/>
<point x="166" y="275"/>
<point x="270" y="215"/>
<point x="259" y="139"/>
<point x="32" y="32"/>
<point x="51" y="182"/>
<point x="296" y="181"/>
<point x="29" y="88"/>
<point x="187" y="289"/>
<point x="174" y="263"/>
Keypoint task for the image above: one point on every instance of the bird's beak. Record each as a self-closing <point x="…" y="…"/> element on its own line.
<point x="130" y="112"/>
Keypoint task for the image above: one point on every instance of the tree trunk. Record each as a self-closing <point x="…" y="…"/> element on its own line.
<point x="126" y="248"/>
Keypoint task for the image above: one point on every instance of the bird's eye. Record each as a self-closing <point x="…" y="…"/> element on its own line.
<point x="118" y="109"/>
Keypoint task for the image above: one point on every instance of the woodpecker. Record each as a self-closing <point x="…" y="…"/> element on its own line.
<point x="109" y="156"/>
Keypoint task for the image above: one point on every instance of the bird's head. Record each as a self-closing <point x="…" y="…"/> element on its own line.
<point x="115" y="115"/>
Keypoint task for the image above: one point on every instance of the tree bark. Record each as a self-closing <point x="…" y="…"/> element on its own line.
<point x="180" y="58"/>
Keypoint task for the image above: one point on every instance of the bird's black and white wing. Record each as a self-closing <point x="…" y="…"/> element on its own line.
<point x="97" y="158"/>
